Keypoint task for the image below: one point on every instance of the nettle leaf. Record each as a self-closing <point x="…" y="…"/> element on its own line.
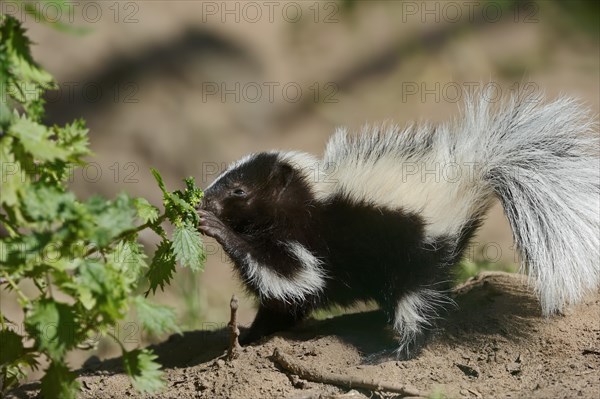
<point x="145" y="210"/>
<point x="184" y="209"/>
<point x="59" y="382"/>
<point x="192" y="194"/>
<point x="17" y="47"/>
<point x="17" y="370"/>
<point x="162" y="267"/>
<point x="35" y="138"/>
<point x="74" y="138"/>
<point x="187" y="246"/>
<point x="111" y="218"/>
<point x="130" y="259"/>
<point x="159" y="180"/>
<point x="21" y="252"/>
<point x="53" y="326"/>
<point x="155" y="319"/>
<point x="108" y="288"/>
<point x="5" y="112"/>
<point x="42" y="202"/>
<point x="145" y="373"/>
<point x="11" y="177"/>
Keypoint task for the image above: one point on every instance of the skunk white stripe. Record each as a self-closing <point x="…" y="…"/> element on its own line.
<point x="231" y="167"/>
<point x="306" y="164"/>
<point x="309" y="280"/>
<point x="377" y="167"/>
<point x="416" y="311"/>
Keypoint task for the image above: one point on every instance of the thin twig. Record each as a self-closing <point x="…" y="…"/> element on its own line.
<point x="49" y="285"/>
<point x="234" y="345"/>
<point x="113" y="336"/>
<point x="342" y="380"/>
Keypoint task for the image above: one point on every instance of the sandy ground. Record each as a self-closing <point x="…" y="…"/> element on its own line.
<point x="494" y="345"/>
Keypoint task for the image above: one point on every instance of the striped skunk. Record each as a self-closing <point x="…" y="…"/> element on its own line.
<point x="387" y="213"/>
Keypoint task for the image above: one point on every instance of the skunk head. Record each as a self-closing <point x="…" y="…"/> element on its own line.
<point x="260" y="190"/>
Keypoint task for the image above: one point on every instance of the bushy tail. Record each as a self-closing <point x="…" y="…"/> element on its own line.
<point x="542" y="161"/>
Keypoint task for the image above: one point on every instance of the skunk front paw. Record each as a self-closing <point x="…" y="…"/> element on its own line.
<point x="212" y="226"/>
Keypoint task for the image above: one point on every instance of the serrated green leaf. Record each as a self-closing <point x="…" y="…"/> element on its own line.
<point x="74" y="138"/>
<point x="181" y="203"/>
<point x="46" y="203"/>
<point x="145" y="373"/>
<point x="184" y="203"/>
<point x="130" y="259"/>
<point x="35" y="138"/>
<point x="192" y="194"/>
<point x="159" y="180"/>
<point x="108" y="287"/>
<point x="146" y="211"/>
<point x="187" y="247"/>
<point x="18" y="370"/>
<point x="23" y="252"/>
<point x="155" y="319"/>
<point x="53" y="326"/>
<point x="17" y="45"/>
<point x="5" y="112"/>
<point x="162" y="266"/>
<point x="11" y="177"/>
<point x="110" y="218"/>
<point x="59" y="382"/>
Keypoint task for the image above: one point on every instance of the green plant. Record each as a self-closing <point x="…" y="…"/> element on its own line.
<point x="83" y="256"/>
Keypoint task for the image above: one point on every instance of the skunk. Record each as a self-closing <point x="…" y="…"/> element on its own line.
<point x="387" y="213"/>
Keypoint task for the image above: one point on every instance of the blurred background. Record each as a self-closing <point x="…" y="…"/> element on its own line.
<point x="189" y="86"/>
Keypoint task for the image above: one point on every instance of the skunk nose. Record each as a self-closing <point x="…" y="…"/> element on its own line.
<point x="209" y="204"/>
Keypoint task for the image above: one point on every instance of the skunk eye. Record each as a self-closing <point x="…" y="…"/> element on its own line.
<point x="238" y="192"/>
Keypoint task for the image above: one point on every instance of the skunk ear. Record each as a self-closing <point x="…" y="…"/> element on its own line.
<point x="281" y="177"/>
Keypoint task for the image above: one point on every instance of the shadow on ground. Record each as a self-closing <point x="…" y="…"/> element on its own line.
<point x="486" y="307"/>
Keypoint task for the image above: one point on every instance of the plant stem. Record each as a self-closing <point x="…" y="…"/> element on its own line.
<point x="49" y="285"/>
<point x="113" y="336"/>
<point x="15" y="287"/>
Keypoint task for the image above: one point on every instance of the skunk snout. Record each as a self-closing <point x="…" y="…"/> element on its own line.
<point x="209" y="203"/>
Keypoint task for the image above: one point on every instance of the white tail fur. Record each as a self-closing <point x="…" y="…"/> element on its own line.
<point x="540" y="159"/>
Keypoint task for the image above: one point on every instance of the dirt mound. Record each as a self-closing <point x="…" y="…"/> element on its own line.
<point x="495" y="345"/>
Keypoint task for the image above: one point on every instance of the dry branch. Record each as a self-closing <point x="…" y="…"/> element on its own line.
<point x="234" y="345"/>
<point x="342" y="380"/>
